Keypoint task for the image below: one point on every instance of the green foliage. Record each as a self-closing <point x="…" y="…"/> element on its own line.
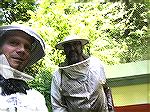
<point x="118" y="33"/>
<point x="12" y="11"/>
<point x="42" y="83"/>
<point x="109" y="27"/>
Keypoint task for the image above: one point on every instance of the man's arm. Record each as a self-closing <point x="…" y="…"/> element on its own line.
<point x="56" y="97"/>
<point x="107" y="89"/>
<point x="108" y="94"/>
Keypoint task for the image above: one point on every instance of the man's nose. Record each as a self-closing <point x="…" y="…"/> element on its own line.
<point x="21" y="48"/>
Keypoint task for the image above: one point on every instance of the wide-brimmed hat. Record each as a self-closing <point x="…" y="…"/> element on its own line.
<point x="69" y="39"/>
<point x="38" y="51"/>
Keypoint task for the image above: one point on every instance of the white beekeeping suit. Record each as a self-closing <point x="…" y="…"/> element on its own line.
<point x="33" y="101"/>
<point x="78" y="87"/>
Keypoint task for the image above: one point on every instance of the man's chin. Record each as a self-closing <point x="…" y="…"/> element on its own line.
<point x="17" y="67"/>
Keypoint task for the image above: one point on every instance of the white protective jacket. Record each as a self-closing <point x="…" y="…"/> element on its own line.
<point x="34" y="101"/>
<point x="78" y="87"/>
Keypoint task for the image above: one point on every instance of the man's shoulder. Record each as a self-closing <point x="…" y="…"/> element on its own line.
<point x="34" y="93"/>
<point x="93" y="58"/>
<point x="96" y="61"/>
<point x="56" y="75"/>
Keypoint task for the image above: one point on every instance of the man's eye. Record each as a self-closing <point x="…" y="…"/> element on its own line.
<point x="29" y="48"/>
<point x="13" y="43"/>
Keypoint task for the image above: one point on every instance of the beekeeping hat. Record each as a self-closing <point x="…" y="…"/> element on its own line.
<point x="38" y="45"/>
<point x="69" y="39"/>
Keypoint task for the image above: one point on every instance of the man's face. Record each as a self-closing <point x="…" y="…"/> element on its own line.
<point x="73" y="52"/>
<point x="17" y="48"/>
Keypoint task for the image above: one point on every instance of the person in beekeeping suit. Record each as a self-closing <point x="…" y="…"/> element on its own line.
<point x="79" y="83"/>
<point x="20" y="47"/>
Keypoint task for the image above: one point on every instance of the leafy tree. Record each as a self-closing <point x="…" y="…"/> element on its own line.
<point x="11" y="11"/>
